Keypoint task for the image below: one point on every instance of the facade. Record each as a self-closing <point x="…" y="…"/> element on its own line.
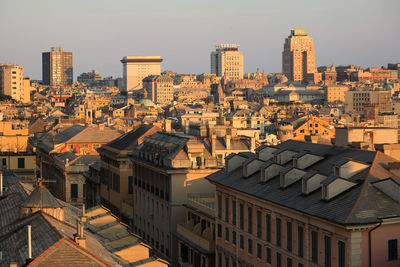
<point x="116" y="183"/>
<point x="302" y="204"/>
<point x="159" y="88"/>
<point x="136" y="68"/>
<point x="227" y="61"/>
<point x="366" y="137"/>
<point x="298" y="57"/>
<point x="166" y="170"/>
<point x="89" y="77"/>
<point x="15" y="152"/>
<point x="355" y="100"/>
<point x="196" y="236"/>
<point x="335" y="93"/>
<point x="12" y="82"/>
<point x="57" y="67"/>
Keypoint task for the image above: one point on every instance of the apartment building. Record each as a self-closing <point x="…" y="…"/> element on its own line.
<point x="166" y="169"/>
<point x="13" y="83"/>
<point x="303" y="204"/>
<point x="227" y="61"/>
<point x="298" y="56"/>
<point x="116" y="180"/>
<point x="196" y="235"/>
<point x="136" y="68"/>
<point x="355" y="100"/>
<point x="159" y="88"/>
<point x="335" y="93"/>
<point x="57" y="67"/>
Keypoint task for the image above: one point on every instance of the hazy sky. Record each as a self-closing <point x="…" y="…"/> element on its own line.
<point x="183" y="32"/>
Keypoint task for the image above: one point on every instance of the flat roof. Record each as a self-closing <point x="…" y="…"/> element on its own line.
<point x="141" y="59"/>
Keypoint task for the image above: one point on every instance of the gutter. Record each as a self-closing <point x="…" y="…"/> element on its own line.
<point x="370" y="243"/>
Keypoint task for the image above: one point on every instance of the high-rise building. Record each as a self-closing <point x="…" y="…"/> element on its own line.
<point x="57" y="67"/>
<point x="298" y="57"/>
<point x="227" y="61"/>
<point x="12" y="82"/>
<point x="136" y="68"/>
<point x="159" y="89"/>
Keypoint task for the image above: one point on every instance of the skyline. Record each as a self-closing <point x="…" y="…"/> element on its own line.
<point x="97" y="35"/>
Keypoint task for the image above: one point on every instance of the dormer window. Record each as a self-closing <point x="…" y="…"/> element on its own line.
<point x="295" y="162"/>
<point x="336" y="171"/>
<point x="276" y="158"/>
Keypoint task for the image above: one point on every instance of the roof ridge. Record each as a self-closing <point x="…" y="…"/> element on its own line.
<point x="365" y="182"/>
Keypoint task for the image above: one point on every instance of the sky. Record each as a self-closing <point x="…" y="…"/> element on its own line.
<point x="183" y="32"/>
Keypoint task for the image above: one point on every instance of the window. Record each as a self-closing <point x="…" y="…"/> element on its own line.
<point x="74" y="191"/>
<point x="249" y="220"/>
<point x="300" y="241"/>
<point x="226" y="233"/>
<point x="241" y="241"/>
<point x="115" y="182"/>
<point x="268" y="224"/>
<point x="289" y="262"/>
<point x="84" y="191"/>
<point x="327" y="241"/>
<point x="250" y="246"/>
<point x="314" y="246"/>
<point x="219" y="259"/>
<point x="226" y="261"/>
<point x="278" y="232"/>
<point x="300" y="265"/>
<point x="259" y="252"/>
<point x="219" y="230"/>
<point x="341" y="254"/>
<point x="4" y="163"/>
<point x="392" y="249"/>
<point x="269" y="255"/>
<point x="278" y="260"/>
<point x="226" y="209"/>
<point x="234" y="237"/>
<point x="289" y="236"/>
<point x="219" y="206"/>
<point x="233" y="212"/>
<point x="21" y="163"/>
<point x="130" y="185"/>
<point x="259" y="226"/>
<point x="241" y="218"/>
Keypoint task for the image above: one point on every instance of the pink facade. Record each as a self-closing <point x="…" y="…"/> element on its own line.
<point x="353" y="238"/>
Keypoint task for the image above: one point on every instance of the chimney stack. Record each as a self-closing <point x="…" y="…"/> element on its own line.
<point x="253" y="144"/>
<point x="228" y="141"/>
<point x="80" y="238"/>
<point x="213" y="144"/>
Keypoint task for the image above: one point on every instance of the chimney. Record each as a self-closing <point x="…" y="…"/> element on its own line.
<point x="213" y="144"/>
<point x="29" y="242"/>
<point x="80" y="238"/>
<point x="253" y="144"/>
<point x="228" y="141"/>
<point x="167" y="125"/>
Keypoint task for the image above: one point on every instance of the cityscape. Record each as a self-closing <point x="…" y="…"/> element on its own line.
<point x="149" y="153"/>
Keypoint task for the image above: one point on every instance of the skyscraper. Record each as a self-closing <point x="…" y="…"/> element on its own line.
<point x="12" y="82"/>
<point x="136" y="68"/>
<point x="227" y="61"/>
<point x="298" y="57"/>
<point x="57" y="67"/>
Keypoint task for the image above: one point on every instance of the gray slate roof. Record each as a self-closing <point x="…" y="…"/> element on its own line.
<point x="362" y="204"/>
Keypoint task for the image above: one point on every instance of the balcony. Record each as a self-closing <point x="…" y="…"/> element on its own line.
<point x="192" y="234"/>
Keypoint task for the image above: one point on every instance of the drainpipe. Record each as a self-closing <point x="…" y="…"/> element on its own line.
<point x="370" y="243"/>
